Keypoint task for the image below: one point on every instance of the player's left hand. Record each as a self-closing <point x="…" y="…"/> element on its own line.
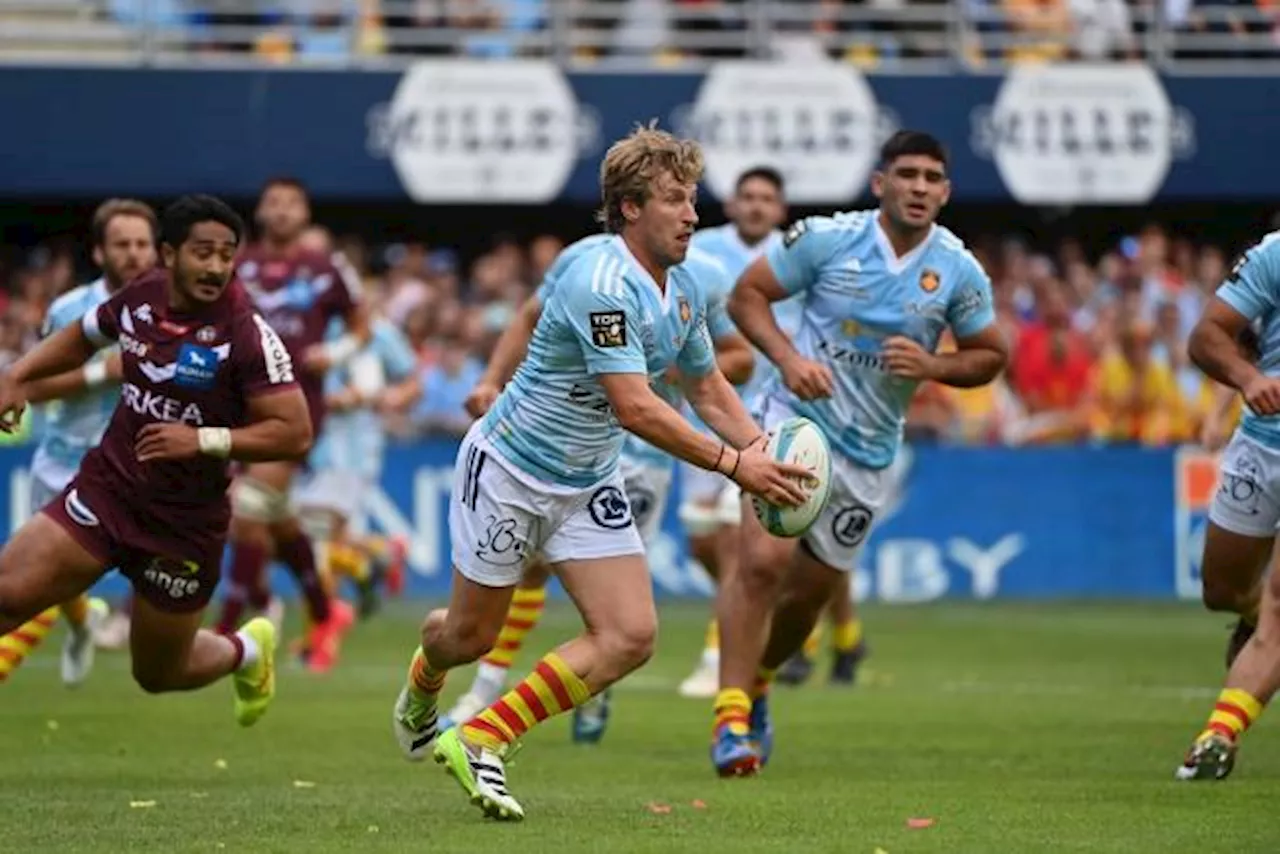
<point x="905" y="358"/>
<point x="316" y="359"/>
<point x="166" y="442"/>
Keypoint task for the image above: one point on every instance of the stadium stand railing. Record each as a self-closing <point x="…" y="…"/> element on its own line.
<point x="887" y="35"/>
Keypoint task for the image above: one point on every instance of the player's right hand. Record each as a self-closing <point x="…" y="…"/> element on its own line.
<point x="13" y="402"/>
<point x="808" y="379"/>
<point x="778" y="483"/>
<point x="1262" y="395"/>
<point x="481" y="398"/>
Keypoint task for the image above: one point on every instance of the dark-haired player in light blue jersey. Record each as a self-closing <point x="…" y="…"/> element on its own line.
<point x="880" y="287"/>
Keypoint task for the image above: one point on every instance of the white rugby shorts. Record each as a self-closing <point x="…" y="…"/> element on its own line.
<point x="500" y="517"/>
<point x="858" y="494"/>
<point x="1248" y="498"/>
<point x="647" y="488"/>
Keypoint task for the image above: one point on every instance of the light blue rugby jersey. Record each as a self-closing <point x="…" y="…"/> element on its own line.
<point x="724" y="243"/>
<point x="75" y="424"/>
<point x="356" y="441"/>
<point x="858" y="293"/>
<point x="717" y="284"/>
<point x="1253" y="289"/>
<point x="601" y="313"/>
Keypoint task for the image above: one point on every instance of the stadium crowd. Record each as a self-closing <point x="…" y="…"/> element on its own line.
<point x="1098" y="343"/>
<point x="865" y="32"/>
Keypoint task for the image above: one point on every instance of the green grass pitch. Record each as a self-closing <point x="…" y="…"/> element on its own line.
<point x="1015" y="728"/>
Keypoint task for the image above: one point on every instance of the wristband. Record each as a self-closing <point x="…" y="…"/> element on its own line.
<point x="737" y="460"/>
<point x="719" y="459"/>
<point x="341" y="350"/>
<point x="95" y="374"/>
<point x="214" y="441"/>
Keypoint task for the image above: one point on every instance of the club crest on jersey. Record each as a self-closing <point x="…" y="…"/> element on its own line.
<point x="686" y="313"/>
<point x="794" y="233"/>
<point x="850" y="328"/>
<point x="930" y="281"/>
<point x="197" y="367"/>
<point x="609" y="328"/>
<point x="206" y="334"/>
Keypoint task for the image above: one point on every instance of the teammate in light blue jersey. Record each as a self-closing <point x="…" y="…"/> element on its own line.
<point x="80" y="403"/>
<point x="709" y="504"/>
<point x="346" y="463"/>
<point x="1237" y="343"/>
<point x="880" y="287"/>
<point x="646" y="470"/>
<point x="539" y="474"/>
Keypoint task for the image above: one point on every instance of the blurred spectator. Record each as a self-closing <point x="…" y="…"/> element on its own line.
<point x="447" y="381"/>
<point x="1049" y="370"/>
<point x="1137" y="399"/>
<point x="1041" y="30"/>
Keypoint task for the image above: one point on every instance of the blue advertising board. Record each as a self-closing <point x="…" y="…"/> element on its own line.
<point x="968" y="523"/>
<point x="458" y="131"/>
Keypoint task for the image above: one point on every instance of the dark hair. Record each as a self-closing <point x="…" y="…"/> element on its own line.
<point x="112" y="208"/>
<point x="908" y="142"/>
<point x="181" y="216"/>
<point x="287" y="181"/>
<point x="764" y="173"/>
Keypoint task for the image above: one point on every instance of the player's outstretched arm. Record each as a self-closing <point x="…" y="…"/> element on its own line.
<point x="65" y="350"/>
<point x="71" y="383"/>
<point x="508" y="353"/>
<point x="719" y="406"/>
<point x="642" y="412"/>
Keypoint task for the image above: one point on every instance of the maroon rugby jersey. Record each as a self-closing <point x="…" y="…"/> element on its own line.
<point x="198" y="369"/>
<point x="299" y="294"/>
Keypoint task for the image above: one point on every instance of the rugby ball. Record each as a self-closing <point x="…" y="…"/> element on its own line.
<point x="799" y="441"/>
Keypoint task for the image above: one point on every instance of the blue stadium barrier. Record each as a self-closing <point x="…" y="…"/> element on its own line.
<point x="968" y="524"/>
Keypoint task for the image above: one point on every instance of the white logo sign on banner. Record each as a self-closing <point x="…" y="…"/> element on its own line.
<point x="472" y="131"/>
<point x="1082" y="134"/>
<point x="816" y="123"/>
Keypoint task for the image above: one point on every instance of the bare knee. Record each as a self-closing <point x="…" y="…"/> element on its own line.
<point x="1221" y="592"/>
<point x="466" y="636"/>
<point x="761" y="574"/>
<point x="153" y="680"/>
<point x="629" y="645"/>
<point x="1218" y="597"/>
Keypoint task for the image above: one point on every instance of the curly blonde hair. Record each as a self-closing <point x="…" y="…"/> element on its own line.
<point x="632" y="164"/>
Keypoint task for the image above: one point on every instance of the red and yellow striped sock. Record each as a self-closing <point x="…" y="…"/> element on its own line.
<point x="522" y="616"/>
<point x="424" y="680"/>
<point x="19" y="643"/>
<point x="847" y="635"/>
<point x="550" y="689"/>
<point x="733" y="710"/>
<point x="76" y="611"/>
<point x="764" y="678"/>
<point x="1232" y="714"/>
